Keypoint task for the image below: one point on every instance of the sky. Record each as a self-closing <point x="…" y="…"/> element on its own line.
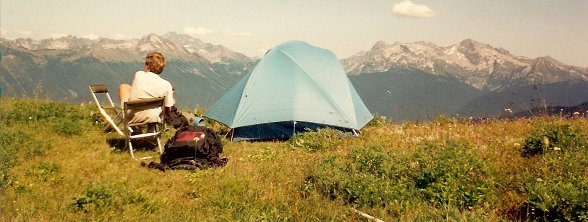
<point x="530" y="28"/>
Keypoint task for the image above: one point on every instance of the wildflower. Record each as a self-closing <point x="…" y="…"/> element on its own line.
<point x="545" y="141"/>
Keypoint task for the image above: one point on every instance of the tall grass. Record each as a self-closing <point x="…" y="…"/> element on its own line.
<point x="58" y="164"/>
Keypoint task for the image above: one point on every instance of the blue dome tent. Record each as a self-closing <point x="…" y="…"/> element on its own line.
<point x="294" y="87"/>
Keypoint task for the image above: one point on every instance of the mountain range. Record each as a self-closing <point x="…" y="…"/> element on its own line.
<point x="470" y="79"/>
<point x="61" y="69"/>
<point x="403" y="81"/>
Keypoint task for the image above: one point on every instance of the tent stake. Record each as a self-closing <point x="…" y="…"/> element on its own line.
<point x="354" y="132"/>
<point x="367" y="215"/>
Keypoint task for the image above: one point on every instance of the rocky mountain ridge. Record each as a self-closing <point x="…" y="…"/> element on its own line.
<point x="173" y="45"/>
<point x="477" y="64"/>
<point x="62" y="68"/>
<point x="213" y="53"/>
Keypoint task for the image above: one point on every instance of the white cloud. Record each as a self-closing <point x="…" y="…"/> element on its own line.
<point x="25" y="33"/>
<point x="91" y="36"/>
<point x="9" y="34"/>
<point x="120" y="36"/>
<point x="262" y="51"/>
<point x="411" y="10"/>
<point x="58" y="35"/>
<point x="239" y="34"/>
<point x="197" y="31"/>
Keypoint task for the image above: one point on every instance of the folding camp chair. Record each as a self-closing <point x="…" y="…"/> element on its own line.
<point x="111" y="113"/>
<point x="133" y="130"/>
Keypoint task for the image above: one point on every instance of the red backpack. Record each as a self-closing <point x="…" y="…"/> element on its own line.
<point x="190" y="148"/>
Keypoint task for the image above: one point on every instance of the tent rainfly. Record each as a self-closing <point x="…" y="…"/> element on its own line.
<point x="295" y="87"/>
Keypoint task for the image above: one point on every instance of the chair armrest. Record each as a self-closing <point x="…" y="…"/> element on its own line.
<point x="144" y="103"/>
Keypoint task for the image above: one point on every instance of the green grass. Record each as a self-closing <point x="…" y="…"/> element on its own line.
<point x="58" y="164"/>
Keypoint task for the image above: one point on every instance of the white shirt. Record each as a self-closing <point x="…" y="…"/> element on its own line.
<point x="147" y="85"/>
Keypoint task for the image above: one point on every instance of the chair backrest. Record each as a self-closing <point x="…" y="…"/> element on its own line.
<point x="144" y="104"/>
<point x="100" y="88"/>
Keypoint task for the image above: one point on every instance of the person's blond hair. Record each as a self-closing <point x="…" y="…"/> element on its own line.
<point x="155" y="62"/>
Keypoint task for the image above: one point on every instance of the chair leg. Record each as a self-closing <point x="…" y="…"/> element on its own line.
<point x="159" y="145"/>
<point x="153" y="128"/>
<point x="130" y="145"/>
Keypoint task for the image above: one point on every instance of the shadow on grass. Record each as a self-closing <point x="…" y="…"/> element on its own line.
<point x="147" y="144"/>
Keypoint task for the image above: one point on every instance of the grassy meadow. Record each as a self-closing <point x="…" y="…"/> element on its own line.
<point x="58" y="164"/>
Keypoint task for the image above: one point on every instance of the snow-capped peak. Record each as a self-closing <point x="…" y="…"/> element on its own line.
<point x="477" y="64"/>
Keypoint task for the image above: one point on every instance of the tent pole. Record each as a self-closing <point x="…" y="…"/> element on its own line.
<point x="294" y="129"/>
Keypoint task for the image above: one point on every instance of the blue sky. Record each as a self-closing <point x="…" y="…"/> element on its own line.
<point x="530" y="28"/>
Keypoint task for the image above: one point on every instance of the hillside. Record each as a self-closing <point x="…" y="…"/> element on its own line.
<point x="405" y="94"/>
<point x="525" y="169"/>
<point x="529" y="99"/>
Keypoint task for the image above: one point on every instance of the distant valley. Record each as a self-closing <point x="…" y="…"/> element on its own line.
<point x="402" y="81"/>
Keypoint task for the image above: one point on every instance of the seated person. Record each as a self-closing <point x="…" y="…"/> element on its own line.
<point x="148" y="84"/>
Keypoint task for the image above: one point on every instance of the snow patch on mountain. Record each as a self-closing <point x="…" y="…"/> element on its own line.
<point x="477" y="64"/>
<point x="213" y="53"/>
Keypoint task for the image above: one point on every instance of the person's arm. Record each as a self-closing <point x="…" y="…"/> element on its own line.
<point x="124" y="92"/>
<point x="169" y="100"/>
